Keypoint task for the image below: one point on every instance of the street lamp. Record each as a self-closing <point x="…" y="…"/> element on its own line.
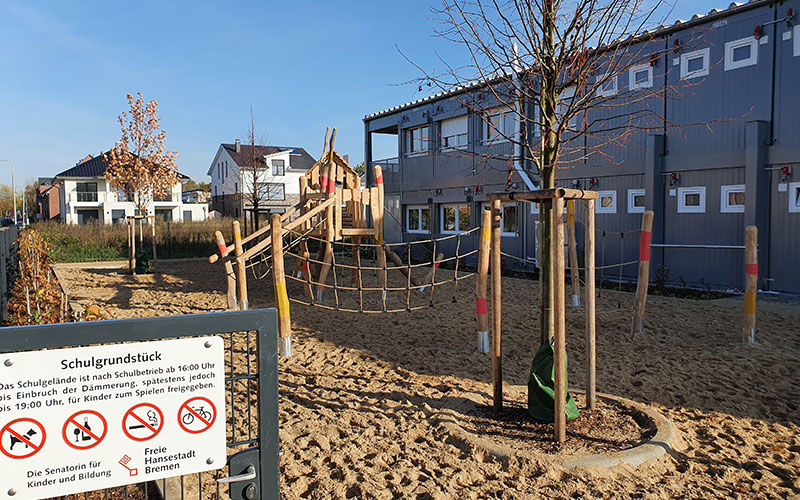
<point x="13" y="190"/>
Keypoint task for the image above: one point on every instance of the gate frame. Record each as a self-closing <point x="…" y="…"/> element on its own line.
<point x="263" y="321"/>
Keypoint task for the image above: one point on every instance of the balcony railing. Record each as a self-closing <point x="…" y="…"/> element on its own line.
<point x="390" y="168"/>
<point x="86" y="196"/>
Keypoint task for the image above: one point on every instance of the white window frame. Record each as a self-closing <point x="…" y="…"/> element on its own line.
<point x="632" y="194"/>
<point x="632" y="77"/>
<point x="685" y="58"/>
<point x="683" y="191"/>
<point x="488" y="206"/>
<point x="730" y="47"/>
<point x="796" y="43"/>
<point x="501" y="137"/>
<point x="419" y="209"/>
<point x="599" y="208"/>
<point x="458" y="215"/>
<point x="608" y="92"/>
<point x="794" y="202"/>
<point x="724" y="206"/>
<point x="410" y="141"/>
<point x="465" y="134"/>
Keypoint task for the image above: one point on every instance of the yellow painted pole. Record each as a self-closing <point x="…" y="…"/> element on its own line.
<point x="750" y="283"/>
<point x="281" y="297"/>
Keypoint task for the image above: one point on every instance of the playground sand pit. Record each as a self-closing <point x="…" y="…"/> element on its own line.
<point x="360" y="398"/>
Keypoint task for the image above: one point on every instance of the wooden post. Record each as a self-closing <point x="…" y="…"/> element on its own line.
<point x="281" y="297"/>
<point x="305" y="268"/>
<point x="644" y="273"/>
<point x="437" y="261"/>
<point x="376" y="206"/>
<point x="559" y="340"/>
<point x="750" y="283"/>
<point x="497" y="348"/>
<point x="574" y="271"/>
<point x="231" y="278"/>
<point x="131" y="246"/>
<point x="482" y="281"/>
<point x="590" y="300"/>
<point x="326" y="261"/>
<point x="153" y="234"/>
<point x="241" y="273"/>
<point x="298" y="265"/>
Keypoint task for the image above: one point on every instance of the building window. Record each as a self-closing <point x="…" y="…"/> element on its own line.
<point x="271" y="191"/>
<point x="794" y="196"/>
<point x="732" y="199"/>
<point x="454" y="133"/>
<point x="509" y="223"/>
<point x="636" y="201"/>
<point x="498" y="126"/>
<point x="641" y="77"/>
<point x="694" y="64"/>
<point x="86" y="191"/>
<point x="117" y="216"/>
<point x="417" y="140"/>
<point x="608" y="87"/>
<point x="741" y="53"/>
<point x="226" y="169"/>
<point x="187" y="216"/>
<point x="418" y="219"/>
<point x="797" y="41"/>
<point x="455" y="219"/>
<point x="278" y="167"/>
<point x="606" y="202"/>
<point x="692" y="200"/>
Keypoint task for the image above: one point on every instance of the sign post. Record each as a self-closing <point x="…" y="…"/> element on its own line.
<point x="87" y="418"/>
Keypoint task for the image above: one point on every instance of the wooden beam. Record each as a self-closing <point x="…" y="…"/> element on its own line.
<point x="545" y="194"/>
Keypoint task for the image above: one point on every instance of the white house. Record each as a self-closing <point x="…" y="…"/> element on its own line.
<point x="86" y="195"/>
<point x="278" y="177"/>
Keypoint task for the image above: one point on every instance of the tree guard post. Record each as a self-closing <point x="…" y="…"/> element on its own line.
<point x="750" y="283"/>
<point x="497" y="360"/>
<point x="644" y="273"/>
<point x="559" y="332"/>
<point x="589" y="288"/>
<point x="132" y="245"/>
<point x="153" y="234"/>
<point x="574" y="270"/>
<point x="482" y="281"/>
<point x="281" y="297"/>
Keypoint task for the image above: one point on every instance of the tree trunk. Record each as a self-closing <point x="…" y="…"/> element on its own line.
<point x="546" y="228"/>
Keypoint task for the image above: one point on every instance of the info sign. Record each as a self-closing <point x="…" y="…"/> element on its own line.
<point x="87" y="418"/>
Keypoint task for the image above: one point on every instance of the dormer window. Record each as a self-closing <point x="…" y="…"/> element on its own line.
<point x="278" y="167"/>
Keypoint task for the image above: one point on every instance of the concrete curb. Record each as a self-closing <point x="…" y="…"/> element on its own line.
<point x="665" y="440"/>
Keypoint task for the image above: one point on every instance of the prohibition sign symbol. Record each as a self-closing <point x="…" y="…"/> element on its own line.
<point x="197" y="415"/>
<point x="142" y="422"/>
<point x="22" y="438"/>
<point x="84" y="430"/>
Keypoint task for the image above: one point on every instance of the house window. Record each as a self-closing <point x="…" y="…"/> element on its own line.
<point x="732" y="199"/>
<point x="226" y="169"/>
<point x="606" y="202"/>
<point x="498" y="126"/>
<point x="417" y="140"/>
<point x="636" y="201"/>
<point x="794" y="196"/>
<point x="692" y="200"/>
<point x="117" y="216"/>
<point x="454" y="133"/>
<point x="694" y="64"/>
<point x="455" y="219"/>
<point x="278" y="167"/>
<point x="741" y="53"/>
<point x="509" y="224"/>
<point x="641" y="77"/>
<point x="271" y="191"/>
<point x="608" y="87"/>
<point x="187" y="216"/>
<point x="418" y="219"/>
<point x="797" y="41"/>
<point x="86" y="191"/>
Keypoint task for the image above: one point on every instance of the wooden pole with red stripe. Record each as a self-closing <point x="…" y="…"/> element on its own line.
<point x="281" y="297"/>
<point x="637" y="325"/>
<point x="750" y="283"/>
<point x="497" y="347"/>
<point x="482" y="281"/>
<point x="231" y="277"/>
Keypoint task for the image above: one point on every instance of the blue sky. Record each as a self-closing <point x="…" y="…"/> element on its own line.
<point x="65" y="68"/>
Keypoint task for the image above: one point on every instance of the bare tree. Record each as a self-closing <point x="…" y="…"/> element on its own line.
<point x="254" y="175"/>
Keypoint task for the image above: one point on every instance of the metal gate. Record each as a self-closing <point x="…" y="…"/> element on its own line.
<point x="251" y="385"/>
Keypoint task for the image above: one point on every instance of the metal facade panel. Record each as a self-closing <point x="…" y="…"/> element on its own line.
<point x="787" y="76"/>
<point x="784" y="247"/>
<point x="713" y="267"/>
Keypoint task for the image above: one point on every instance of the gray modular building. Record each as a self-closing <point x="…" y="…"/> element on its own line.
<point x="726" y="156"/>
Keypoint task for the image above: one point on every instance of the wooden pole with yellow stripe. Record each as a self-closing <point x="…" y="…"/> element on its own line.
<point x="241" y="273"/>
<point x="481" y="282"/>
<point x="574" y="271"/>
<point x="281" y="297"/>
<point x="750" y="283"/>
<point x="644" y="273"/>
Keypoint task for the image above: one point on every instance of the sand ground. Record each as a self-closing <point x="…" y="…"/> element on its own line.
<point x="359" y="397"/>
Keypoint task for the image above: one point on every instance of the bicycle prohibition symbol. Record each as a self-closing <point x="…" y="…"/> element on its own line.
<point x="197" y="415"/>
